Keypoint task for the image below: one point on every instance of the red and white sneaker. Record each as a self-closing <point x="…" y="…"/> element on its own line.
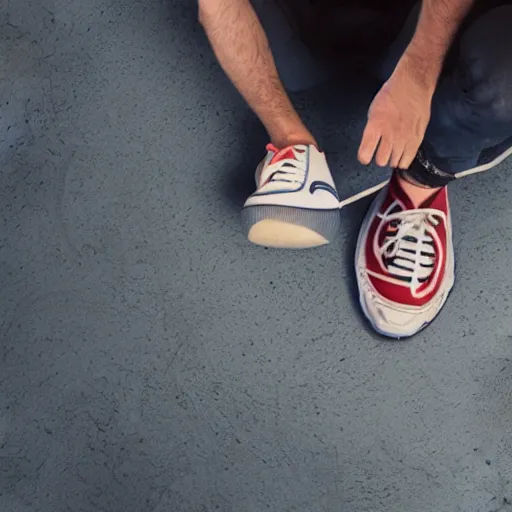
<point x="404" y="261"/>
<point x="296" y="204"/>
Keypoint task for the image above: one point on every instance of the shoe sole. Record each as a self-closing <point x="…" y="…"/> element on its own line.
<point x="284" y="227"/>
<point x="446" y="288"/>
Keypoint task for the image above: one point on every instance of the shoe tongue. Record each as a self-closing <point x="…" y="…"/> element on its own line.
<point x="283" y="154"/>
<point x="398" y="192"/>
<point x="432" y="200"/>
<point x="286" y="153"/>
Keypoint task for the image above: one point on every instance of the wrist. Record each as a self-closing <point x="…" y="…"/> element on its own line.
<point x="422" y="72"/>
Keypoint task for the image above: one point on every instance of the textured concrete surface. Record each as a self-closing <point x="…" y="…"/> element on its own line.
<point x="151" y="360"/>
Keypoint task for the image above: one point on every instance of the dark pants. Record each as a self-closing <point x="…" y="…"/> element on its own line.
<point x="471" y="120"/>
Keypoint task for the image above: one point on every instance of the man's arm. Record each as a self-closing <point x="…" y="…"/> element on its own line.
<point x="243" y="51"/>
<point x="437" y="26"/>
<point x="399" y="114"/>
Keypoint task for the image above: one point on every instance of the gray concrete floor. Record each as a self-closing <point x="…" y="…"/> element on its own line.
<point x="151" y="360"/>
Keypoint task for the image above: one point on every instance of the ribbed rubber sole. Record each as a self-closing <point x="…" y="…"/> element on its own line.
<point x="284" y="227"/>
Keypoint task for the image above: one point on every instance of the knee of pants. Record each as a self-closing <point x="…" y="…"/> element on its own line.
<point x="485" y="70"/>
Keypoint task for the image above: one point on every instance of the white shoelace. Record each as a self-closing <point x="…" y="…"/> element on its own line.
<point x="475" y="170"/>
<point x="410" y="250"/>
<point x="288" y="171"/>
<point x="363" y="194"/>
<point x="291" y="171"/>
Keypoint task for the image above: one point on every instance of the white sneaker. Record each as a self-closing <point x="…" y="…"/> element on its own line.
<point x="296" y="204"/>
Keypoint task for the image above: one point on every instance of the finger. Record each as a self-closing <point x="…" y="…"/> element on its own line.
<point x="396" y="156"/>
<point x="408" y="156"/>
<point x="369" y="144"/>
<point x="384" y="152"/>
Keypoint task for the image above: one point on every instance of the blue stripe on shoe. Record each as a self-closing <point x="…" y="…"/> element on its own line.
<point x="322" y="185"/>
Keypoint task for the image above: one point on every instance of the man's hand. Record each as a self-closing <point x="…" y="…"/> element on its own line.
<point x="397" y="121"/>
<point x="400" y="112"/>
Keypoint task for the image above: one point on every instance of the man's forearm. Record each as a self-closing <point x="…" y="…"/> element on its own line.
<point x="437" y="26"/>
<point x="242" y="48"/>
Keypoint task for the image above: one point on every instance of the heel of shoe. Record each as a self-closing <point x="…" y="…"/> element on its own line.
<point x="284" y="227"/>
